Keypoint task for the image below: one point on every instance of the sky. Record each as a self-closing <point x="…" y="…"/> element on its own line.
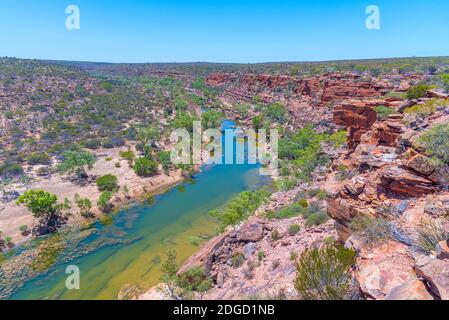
<point x="244" y="31"/>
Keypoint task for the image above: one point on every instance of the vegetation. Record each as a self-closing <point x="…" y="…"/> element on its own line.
<point x="84" y="205"/>
<point x="47" y="252"/>
<point x="180" y="287"/>
<point x="372" y="230"/>
<point x="240" y="208"/>
<point x="428" y="234"/>
<point x="145" y="167"/>
<point x="435" y="142"/>
<point x="104" y="201"/>
<point x="43" y="206"/>
<point x="418" y="91"/>
<point x="76" y="161"/>
<point x="293" y="229"/>
<point x="316" y="218"/>
<point x="383" y="112"/>
<point x="38" y="158"/>
<point x="211" y="119"/>
<point x="426" y="109"/>
<point x="324" y="273"/>
<point x="107" y="183"/>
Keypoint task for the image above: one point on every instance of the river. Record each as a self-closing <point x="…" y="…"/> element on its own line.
<point x="128" y="250"/>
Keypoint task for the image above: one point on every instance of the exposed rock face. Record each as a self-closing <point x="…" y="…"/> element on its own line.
<point x="403" y="182"/>
<point x="436" y="273"/>
<point x="384" y="268"/>
<point x="252" y="231"/>
<point x="307" y="99"/>
<point x="409" y="290"/>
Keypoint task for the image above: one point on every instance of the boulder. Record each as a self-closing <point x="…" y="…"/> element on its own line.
<point x="406" y="183"/>
<point x="249" y="249"/>
<point x="442" y="250"/>
<point x="421" y="164"/>
<point x="251" y="231"/>
<point x="409" y="290"/>
<point x="384" y="268"/>
<point x="436" y="273"/>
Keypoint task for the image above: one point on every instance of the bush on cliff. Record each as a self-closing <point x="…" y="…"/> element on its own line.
<point x="324" y="273"/>
<point x="418" y="91"/>
<point x="144" y="167"/>
<point x="240" y="208"/>
<point x="107" y="183"/>
<point x="435" y="142"/>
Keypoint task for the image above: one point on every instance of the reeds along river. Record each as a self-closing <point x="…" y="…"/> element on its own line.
<point x="128" y="250"/>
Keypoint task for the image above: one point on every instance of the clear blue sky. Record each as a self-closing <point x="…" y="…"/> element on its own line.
<point x="222" y="30"/>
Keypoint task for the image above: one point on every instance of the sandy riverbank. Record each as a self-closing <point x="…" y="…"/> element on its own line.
<point x="13" y="216"/>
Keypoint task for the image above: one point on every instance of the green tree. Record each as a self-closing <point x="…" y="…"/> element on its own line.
<point x="183" y="120"/>
<point x="76" y="161"/>
<point x="43" y="206"/>
<point x="211" y="119"/>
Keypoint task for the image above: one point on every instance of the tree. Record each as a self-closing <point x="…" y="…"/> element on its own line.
<point x="257" y="122"/>
<point x="76" y="161"/>
<point x="43" y="206"/>
<point x="183" y="120"/>
<point x="144" y="167"/>
<point x="211" y="119"/>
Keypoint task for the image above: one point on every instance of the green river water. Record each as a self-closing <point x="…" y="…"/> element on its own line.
<point x="129" y="249"/>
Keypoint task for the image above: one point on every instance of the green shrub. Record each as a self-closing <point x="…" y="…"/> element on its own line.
<point x="292" y="210"/>
<point x="144" y="167"/>
<point x="429" y="233"/>
<point x="239" y="208"/>
<point x="316" y="218"/>
<point x="383" y="112"/>
<point x="261" y="255"/>
<point x="418" y="91"/>
<point x="194" y="241"/>
<point x="339" y="138"/>
<point x="371" y="230"/>
<point x="84" y="205"/>
<point x="107" y="183"/>
<point x="435" y="142"/>
<point x="38" y="158"/>
<point x="293" y="229"/>
<point x="293" y="255"/>
<point x="104" y="201"/>
<point x="426" y="109"/>
<point x="303" y="203"/>
<point x="195" y="280"/>
<point x="11" y="170"/>
<point x="324" y="273"/>
<point x="127" y="155"/>
<point x="237" y="260"/>
<point x="444" y="78"/>
<point x="275" y="235"/>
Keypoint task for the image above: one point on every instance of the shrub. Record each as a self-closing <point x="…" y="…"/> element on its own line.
<point x="144" y="167"/>
<point x="372" y="230"/>
<point x="38" y="158"/>
<point x="426" y="109"/>
<point x="237" y="260"/>
<point x="428" y="234"/>
<point x="165" y="159"/>
<point x="435" y="142"/>
<point x="92" y="144"/>
<point x="324" y="273"/>
<point x="444" y="78"/>
<point x="104" y="201"/>
<point x="292" y="210"/>
<point x="107" y="183"/>
<point x="293" y="255"/>
<point x="293" y="229"/>
<point x="339" y="138"/>
<point x="239" y="208"/>
<point x="316" y="218"/>
<point x="127" y="155"/>
<point x="275" y="235"/>
<point x="303" y="203"/>
<point x="11" y="170"/>
<point x="194" y="241"/>
<point x="194" y="280"/>
<point x="383" y="112"/>
<point x="418" y="91"/>
<point x="261" y="255"/>
<point x="23" y="229"/>
<point x="84" y="205"/>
